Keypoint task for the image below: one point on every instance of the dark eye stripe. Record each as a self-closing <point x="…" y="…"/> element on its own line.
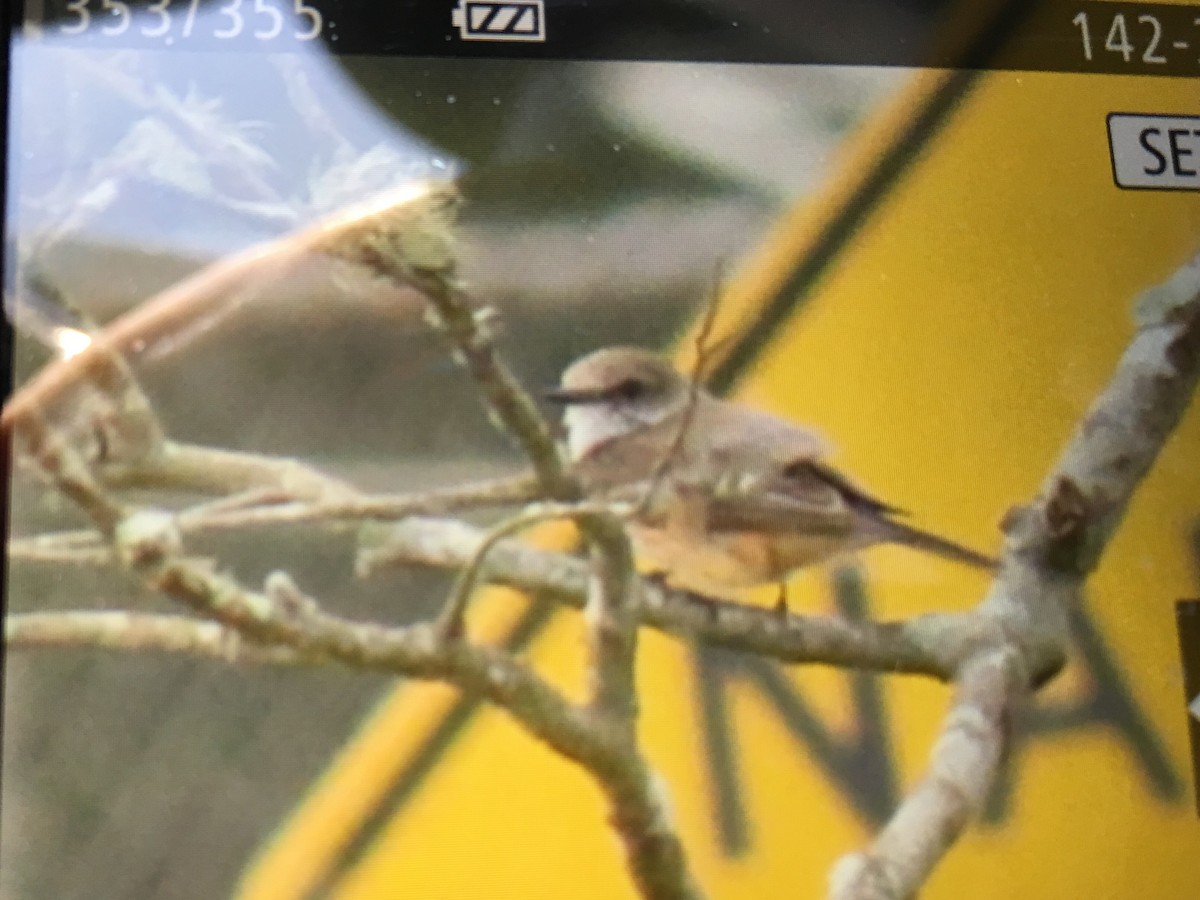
<point x="629" y="389"/>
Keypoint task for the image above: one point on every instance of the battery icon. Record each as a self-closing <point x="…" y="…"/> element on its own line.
<point x="500" y="20"/>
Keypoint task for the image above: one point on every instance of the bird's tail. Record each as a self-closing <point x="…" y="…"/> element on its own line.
<point x="899" y="533"/>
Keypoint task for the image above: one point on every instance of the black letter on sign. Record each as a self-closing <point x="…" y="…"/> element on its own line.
<point x="1177" y="152"/>
<point x="1144" y="140"/>
<point x="860" y="765"/>
<point x="1187" y="619"/>
<point x="1108" y="704"/>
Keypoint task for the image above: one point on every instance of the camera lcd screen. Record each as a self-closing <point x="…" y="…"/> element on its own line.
<point x="601" y="449"/>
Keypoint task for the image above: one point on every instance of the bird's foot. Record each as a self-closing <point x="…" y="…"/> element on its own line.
<point x="781" y="602"/>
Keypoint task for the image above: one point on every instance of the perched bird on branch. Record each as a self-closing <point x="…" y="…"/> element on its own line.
<point x="726" y="496"/>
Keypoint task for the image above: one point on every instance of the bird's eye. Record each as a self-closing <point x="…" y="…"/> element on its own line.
<point x="629" y="389"/>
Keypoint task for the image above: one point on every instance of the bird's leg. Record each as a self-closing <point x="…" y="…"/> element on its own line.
<point x="781" y="602"/>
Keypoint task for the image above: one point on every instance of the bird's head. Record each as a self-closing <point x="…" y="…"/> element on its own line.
<point x="615" y="391"/>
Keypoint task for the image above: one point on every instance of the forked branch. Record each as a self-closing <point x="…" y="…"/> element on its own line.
<point x="1051" y="546"/>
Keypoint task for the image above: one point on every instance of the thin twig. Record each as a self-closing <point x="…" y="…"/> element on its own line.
<point x="695" y="386"/>
<point x="144" y="632"/>
<point x="44" y="549"/>
<point x="214" y="471"/>
<point x="450" y="620"/>
<point x="240" y="502"/>
<point x="127" y="427"/>
<point x="468" y="325"/>
<point x="67" y="470"/>
<point x="506" y="491"/>
<point x="250" y="508"/>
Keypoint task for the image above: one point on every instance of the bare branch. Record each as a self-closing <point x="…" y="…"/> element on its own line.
<point x="612" y="624"/>
<point x="67" y="470"/>
<point x="49" y="549"/>
<point x="209" y="470"/>
<point x="468" y="325"/>
<point x="655" y="855"/>
<point x="932" y="644"/>
<point x="149" y="546"/>
<point x="258" y="507"/>
<point x="507" y="491"/>
<point x="123" y="422"/>
<point x="964" y="764"/>
<point x="1085" y="496"/>
<point x="639" y="808"/>
<point x="142" y="632"/>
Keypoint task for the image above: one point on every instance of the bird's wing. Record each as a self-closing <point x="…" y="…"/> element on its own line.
<point x="749" y="469"/>
<point x="773" y="513"/>
<point x="705" y="442"/>
<point x="799" y="474"/>
<point x="771" y="474"/>
<point x="748" y="441"/>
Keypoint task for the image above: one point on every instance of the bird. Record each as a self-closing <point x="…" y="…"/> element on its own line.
<point x="724" y="496"/>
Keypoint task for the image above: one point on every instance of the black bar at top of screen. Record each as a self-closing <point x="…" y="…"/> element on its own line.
<point x="1053" y="35"/>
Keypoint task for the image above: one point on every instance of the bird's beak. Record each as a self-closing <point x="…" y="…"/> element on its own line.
<point x="567" y="397"/>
